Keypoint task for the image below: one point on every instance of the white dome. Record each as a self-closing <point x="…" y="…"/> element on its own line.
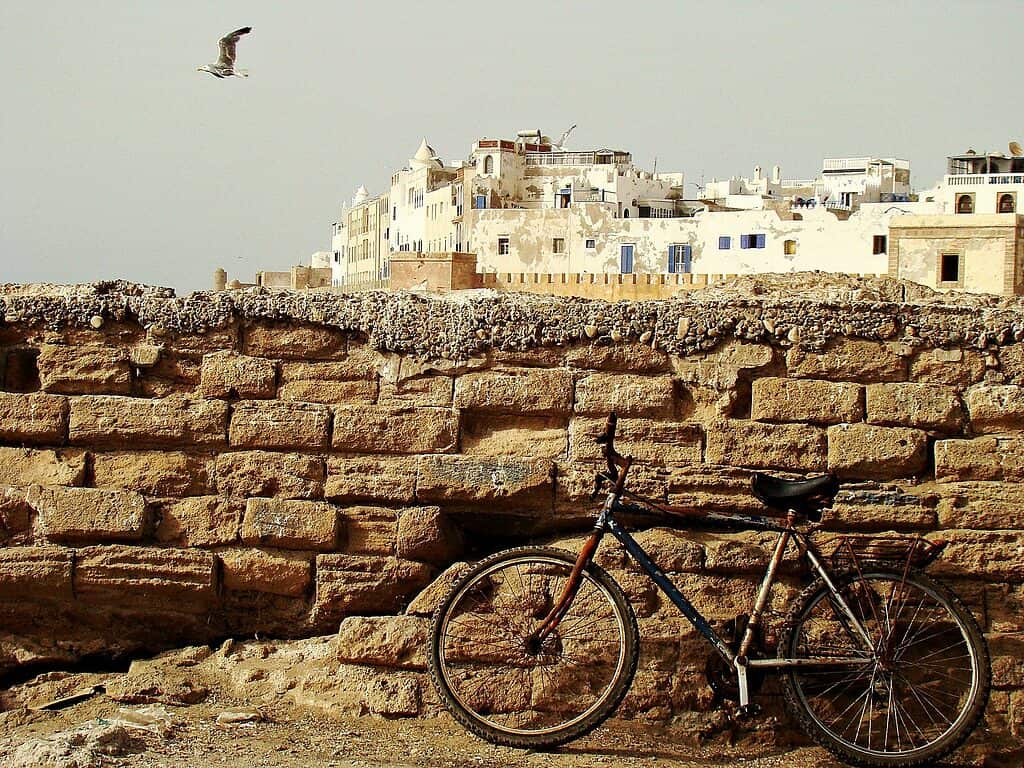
<point x="360" y="196"/>
<point x="424" y="156"/>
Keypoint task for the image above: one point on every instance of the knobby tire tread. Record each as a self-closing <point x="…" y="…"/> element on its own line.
<point x="940" y="748"/>
<point x="545" y="741"/>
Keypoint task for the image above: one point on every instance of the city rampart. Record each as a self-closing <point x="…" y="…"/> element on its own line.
<point x="177" y="471"/>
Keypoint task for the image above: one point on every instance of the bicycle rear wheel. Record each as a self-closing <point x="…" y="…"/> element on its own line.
<point x="507" y="689"/>
<point x="916" y="693"/>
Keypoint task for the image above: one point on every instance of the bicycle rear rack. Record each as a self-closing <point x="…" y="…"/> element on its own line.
<point x="855" y="552"/>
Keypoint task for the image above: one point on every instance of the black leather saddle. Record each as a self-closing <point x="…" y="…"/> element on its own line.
<point x="806" y="497"/>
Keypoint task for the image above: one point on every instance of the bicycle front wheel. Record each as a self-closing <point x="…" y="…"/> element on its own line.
<point x="909" y="692"/>
<point x="505" y="687"/>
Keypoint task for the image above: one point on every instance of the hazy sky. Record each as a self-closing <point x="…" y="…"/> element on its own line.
<point x="119" y="159"/>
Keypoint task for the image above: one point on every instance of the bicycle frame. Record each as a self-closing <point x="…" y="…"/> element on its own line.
<point x="739" y="660"/>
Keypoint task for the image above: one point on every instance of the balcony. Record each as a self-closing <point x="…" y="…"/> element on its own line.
<point x="978" y="179"/>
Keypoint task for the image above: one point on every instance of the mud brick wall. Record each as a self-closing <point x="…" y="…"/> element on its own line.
<point x="175" y="471"/>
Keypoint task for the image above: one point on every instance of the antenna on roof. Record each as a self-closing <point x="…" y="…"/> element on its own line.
<point x="1015" y="149"/>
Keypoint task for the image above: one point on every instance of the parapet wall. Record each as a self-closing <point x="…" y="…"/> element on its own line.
<point x="180" y="470"/>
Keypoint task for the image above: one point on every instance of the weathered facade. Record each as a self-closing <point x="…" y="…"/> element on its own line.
<point x="178" y="471"/>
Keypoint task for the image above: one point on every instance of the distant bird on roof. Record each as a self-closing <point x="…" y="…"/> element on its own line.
<point x="225" y="65"/>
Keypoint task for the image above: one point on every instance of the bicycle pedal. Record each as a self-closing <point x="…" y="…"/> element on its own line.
<point x="748" y="711"/>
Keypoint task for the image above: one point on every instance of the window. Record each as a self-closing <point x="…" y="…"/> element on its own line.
<point x="480" y="202"/>
<point x="558" y="245"/>
<point x="724" y="243"/>
<point x="1007" y="203"/>
<point x="949" y="268"/>
<point x="488" y="164"/>
<point x="626" y="259"/>
<point x="503" y="246"/>
<point x="679" y="258"/>
<point x="625" y="214"/>
<point x="789" y="247"/>
<point x="591" y="245"/>
<point x="965" y="204"/>
<point x="751" y="241"/>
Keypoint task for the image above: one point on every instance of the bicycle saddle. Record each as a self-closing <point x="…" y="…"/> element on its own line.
<point x="807" y="497"/>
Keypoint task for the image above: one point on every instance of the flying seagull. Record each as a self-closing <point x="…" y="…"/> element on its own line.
<point x="225" y="65"/>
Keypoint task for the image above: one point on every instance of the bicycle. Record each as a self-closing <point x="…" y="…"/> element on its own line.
<point x="880" y="663"/>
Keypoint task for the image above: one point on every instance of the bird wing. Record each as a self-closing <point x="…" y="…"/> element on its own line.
<point x="227" y="47"/>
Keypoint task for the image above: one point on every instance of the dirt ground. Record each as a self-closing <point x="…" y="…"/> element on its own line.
<point x="188" y="690"/>
<point x="290" y="738"/>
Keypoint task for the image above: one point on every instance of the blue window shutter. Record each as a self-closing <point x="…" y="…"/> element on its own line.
<point x="760" y="241"/>
<point x="626" y="260"/>
<point x="671" y="259"/>
<point x="480" y="202"/>
<point x="724" y="243"/>
<point x="687" y="258"/>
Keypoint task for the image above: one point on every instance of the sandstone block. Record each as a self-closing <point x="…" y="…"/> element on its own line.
<point x="155" y="473"/>
<point x="228" y="374"/>
<point x="487" y="434"/>
<point x="516" y="390"/>
<point x="173" y="374"/>
<point x="379" y="429"/>
<point x="358" y="392"/>
<point x="498" y="480"/>
<point x="983" y="458"/>
<point x="817" y="402"/>
<point x="391" y="696"/>
<point x="745" y="552"/>
<point x="33" y="418"/>
<point x="290" y="524"/>
<point x="176" y="421"/>
<point x="674" y="551"/>
<point x="370" y="478"/>
<point x="996" y="408"/>
<point x="27" y="466"/>
<point x="984" y="506"/>
<point x="725" y="489"/>
<point x="195" y="344"/>
<point x="924" y="406"/>
<point x="349" y="584"/>
<point x="1011" y="363"/>
<point x="84" y="369"/>
<point x="880" y="509"/>
<point x="37" y="573"/>
<point x="426" y="533"/>
<point x="422" y="391"/>
<point x="646" y="440"/>
<point x="384" y="641"/>
<point x="370" y="530"/>
<point x="264" y="473"/>
<point x="292" y="341"/>
<point x="958" y="368"/>
<point x="261" y="570"/>
<point x="1007" y="660"/>
<point x="989" y="555"/>
<point x="850" y="360"/>
<point x="15" y="515"/>
<point x="279" y="425"/>
<point x="876" y="453"/>
<point x="627" y="358"/>
<point x="628" y="395"/>
<point x="177" y="580"/>
<point x="429" y="600"/>
<point x="200" y="521"/>
<point x="83" y="514"/>
<point x="754" y="444"/>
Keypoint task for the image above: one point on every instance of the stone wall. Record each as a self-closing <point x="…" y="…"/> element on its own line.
<point x="175" y="471"/>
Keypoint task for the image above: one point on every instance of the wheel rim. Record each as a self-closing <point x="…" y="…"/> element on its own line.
<point x="501" y="679"/>
<point x="914" y="689"/>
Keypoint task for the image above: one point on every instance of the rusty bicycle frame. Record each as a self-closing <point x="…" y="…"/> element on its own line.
<point x="618" y="468"/>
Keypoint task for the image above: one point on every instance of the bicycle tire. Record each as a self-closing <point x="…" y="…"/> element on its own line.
<point x="599" y="593"/>
<point x="912" y="674"/>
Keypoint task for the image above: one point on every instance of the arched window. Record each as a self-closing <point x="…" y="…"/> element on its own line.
<point x="488" y="164"/>
<point x="1007" y="204"/>
<point x="965" y="204"/>
<point x="789" y="247"/>
<point x="625" y="213"/>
